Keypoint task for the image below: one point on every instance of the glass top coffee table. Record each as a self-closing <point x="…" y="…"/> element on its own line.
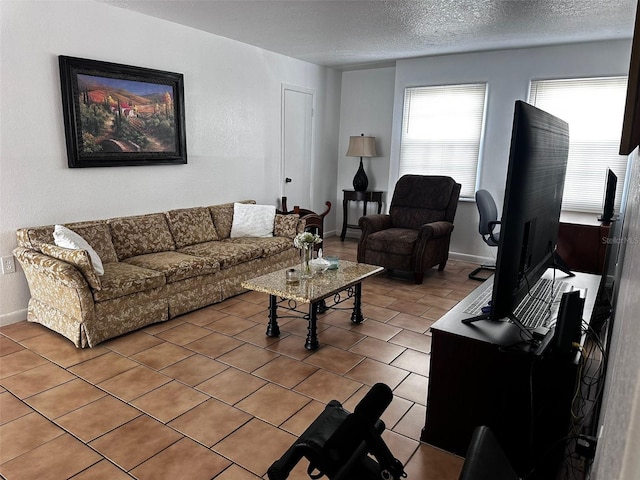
<point x="346" y="278"/>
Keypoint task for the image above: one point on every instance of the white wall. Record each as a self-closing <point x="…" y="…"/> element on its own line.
<point x="233" y="109"/>
<point x="366" y="107"/>
<point x="508" y="73"/>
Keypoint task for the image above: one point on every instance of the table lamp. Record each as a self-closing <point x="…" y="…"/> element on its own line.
<point x="361" y="147"/>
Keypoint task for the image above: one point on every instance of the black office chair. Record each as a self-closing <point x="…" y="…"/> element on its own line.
<point x="485" y="459"/>
<point x="343" y="445"/>
<point x="488" y="222"/>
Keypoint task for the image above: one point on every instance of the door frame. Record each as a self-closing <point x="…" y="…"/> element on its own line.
<point x="296" y="88"/>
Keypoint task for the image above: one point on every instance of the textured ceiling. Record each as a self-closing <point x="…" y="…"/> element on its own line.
<point x="353" y="33"/>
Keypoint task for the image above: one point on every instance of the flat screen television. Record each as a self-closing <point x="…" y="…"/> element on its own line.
<point x="531" y="209"/>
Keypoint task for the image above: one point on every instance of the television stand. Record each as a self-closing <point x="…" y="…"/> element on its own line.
<point x="482" y="373"/>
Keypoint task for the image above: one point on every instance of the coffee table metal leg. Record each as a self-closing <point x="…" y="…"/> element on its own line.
<point x="272" y="328"/>
<point x="312" y="335"/>
<point x="356" y="315"/>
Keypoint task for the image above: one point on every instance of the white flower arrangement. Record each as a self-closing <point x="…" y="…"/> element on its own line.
<point x="306" y="240"/>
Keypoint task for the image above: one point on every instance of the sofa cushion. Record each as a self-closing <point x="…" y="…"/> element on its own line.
<point x="121" y="279"/>
<point x="268" y="246"/>
<point x="98" y="236"/>
<point x="286" y="225"/>
<point x="67" y="238"/>
<point x="175" y="266"/>
<point x="78" y="258"/>
<point x="191" y="225"/>
<point x="252" y="220"/>
<point x="139" y="235"/>
<point x="223" y="218"/>
<point x="226" y="252"/>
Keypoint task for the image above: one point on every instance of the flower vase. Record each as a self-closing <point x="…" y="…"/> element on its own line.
<point x="307" y="256"/>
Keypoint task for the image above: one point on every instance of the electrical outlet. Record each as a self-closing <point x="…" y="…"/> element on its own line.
<point x="8" y="265"/>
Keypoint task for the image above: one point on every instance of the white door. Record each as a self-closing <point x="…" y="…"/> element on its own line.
<point x="297" y="114"/>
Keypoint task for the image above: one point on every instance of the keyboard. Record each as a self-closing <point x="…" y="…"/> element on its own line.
<point x="538" y="308"/>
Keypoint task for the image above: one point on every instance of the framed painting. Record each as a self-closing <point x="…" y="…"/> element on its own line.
<point x="117" y="115"/>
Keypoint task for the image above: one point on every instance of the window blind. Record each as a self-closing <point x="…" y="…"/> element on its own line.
<point x="594" y="110"/>
<point x="441" y="132"/>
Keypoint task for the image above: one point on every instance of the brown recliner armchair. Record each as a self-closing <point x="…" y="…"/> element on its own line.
<point x="416" y="233"/>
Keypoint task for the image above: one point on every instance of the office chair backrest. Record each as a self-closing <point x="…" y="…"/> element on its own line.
<point x="488" y="215"/>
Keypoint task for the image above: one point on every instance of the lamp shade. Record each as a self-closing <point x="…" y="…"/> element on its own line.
<point x="362" y="147"/>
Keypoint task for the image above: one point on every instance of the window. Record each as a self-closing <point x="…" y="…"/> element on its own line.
<point x="594" y="109"/>
<point x="441" y="131"/>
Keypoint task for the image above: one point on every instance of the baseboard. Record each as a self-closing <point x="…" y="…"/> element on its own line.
<point x="13" y="317"/>
<point x="472" y="258"/>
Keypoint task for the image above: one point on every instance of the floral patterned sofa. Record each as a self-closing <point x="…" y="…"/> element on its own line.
<point x="156" y="266"/>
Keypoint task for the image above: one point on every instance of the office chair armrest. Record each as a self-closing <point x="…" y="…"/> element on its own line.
<point x="492" y="226"/>
<point x="435" y="230"/>
<point x="374" y="223"/>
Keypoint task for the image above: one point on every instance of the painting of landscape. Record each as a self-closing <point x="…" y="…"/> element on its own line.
<point x="120" y="115"/>
<point x="125" y="116"/>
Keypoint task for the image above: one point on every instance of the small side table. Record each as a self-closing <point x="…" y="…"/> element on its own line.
<point x="354" y="196"/>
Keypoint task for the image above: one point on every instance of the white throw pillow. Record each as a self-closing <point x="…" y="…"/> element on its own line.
<point x="251" y="220"/>
<point x="63" y="237"/>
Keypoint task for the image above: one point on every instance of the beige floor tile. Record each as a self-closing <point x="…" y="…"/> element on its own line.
<point x="135" y="442"/>
<point x="411" y="424"/>
<point x="414" y="340"/>
<point x="232" y="324"/>
<point x="169" y="401"/>
<point x="377" y="350"/>
<point x="22" y="330"/>
<point x="134" y="383"/>
<point x="301" y="420"/>
<point x="411" y="322"/>
<point x="334" y="359"/>
<point x="162" y="355"/>
<point x="103" y="470"/>
<point x="214" y="345"/>
<point x="97" y="418"/>
<point x="285" y="371"/>
<point x="24" y="434"/>
<point x="61" y="350"/>
<point x="169" y="464"/>
<point x="256" y="336"/>
<point x="413" y="361"/>
<point x="132" y="343"/>
<point x="235" y="472"/>
<point x="326" y="386"/>
<point x="291" y="346"/>
<point x="36" y="380"/>
<point x="194" y="369"/>
<point x="64" y="398"/>
<point x="429" y="463"/>
<point x="11" y="408"/>
<point x="371" y="372"/>
<point x="265" y="443"/>
<point x="19" y="362"/>
<point x="183" y="333"/>
<point x="375" y="329"/>
<point x="340" y="337"/>
<point x="203" y="316"/>
<point x="413" y="388"/>
<point x="210" y="422"/>
<point x="105" y="366"/>
<point x="273" y="404"/>
<point x="401" y="447"/>
<point x="247" y="357"/>
<point x="62" y="457"/>
<point x="8" y="346"/>
<point x="231" y="386"/>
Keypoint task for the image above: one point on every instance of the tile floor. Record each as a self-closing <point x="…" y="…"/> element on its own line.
<point x="208" y="395"/>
